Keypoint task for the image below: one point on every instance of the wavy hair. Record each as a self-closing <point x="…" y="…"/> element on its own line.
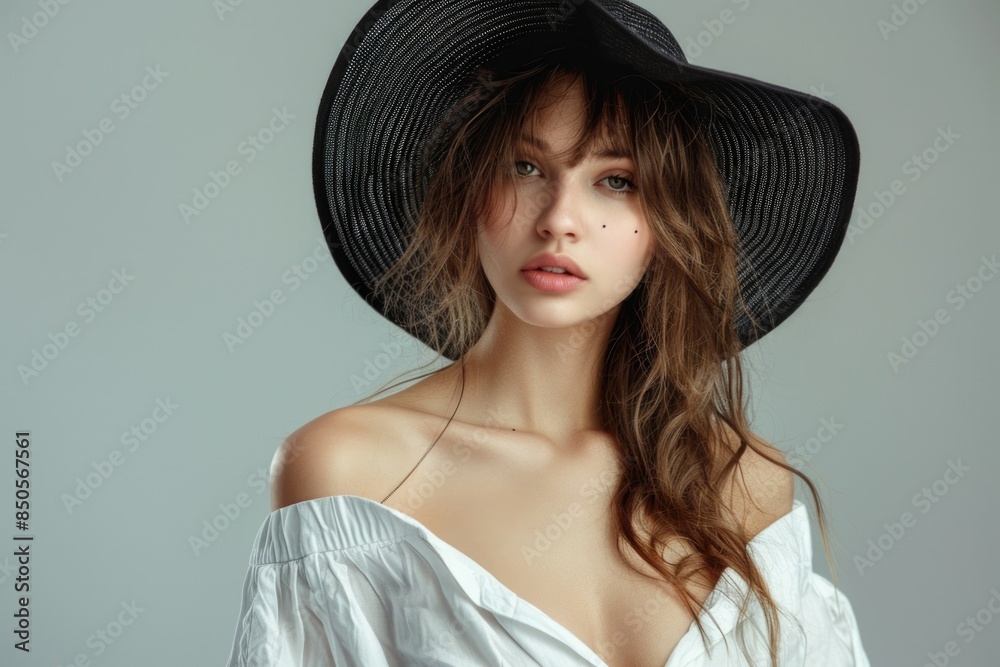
<point x="672" y="374"/>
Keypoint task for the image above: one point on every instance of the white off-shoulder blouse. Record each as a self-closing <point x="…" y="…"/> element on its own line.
<point x="348" y="582"/>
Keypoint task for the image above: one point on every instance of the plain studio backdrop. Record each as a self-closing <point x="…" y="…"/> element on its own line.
<point x="167" y="321"/>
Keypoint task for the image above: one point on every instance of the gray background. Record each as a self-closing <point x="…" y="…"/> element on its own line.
<point x="162" y="337"/>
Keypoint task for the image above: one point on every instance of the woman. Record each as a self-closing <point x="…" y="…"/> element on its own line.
<point x="564" y="220"/>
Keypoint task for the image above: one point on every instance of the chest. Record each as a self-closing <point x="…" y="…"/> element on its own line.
<point x="546" y="533"/>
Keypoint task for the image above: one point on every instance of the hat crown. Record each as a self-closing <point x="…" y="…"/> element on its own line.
<point x="789" y="161"/>
<point x="603" y="30"/>
<point x="641" y="23"/>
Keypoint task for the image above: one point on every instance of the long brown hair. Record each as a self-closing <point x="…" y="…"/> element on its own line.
<point x="672" y="369"/>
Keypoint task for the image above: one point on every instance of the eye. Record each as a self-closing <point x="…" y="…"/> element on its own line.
<point x="517" y="164"/>
<point x="617" y="182"/>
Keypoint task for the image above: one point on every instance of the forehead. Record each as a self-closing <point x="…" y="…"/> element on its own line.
<point x="562" y="107"/>
<point x="602" y="147"/>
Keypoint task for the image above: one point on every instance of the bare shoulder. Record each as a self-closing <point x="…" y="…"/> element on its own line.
<point x="347" y="451"/>
<point x="760" y="491"/>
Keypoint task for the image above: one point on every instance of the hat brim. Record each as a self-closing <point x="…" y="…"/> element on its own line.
<point x="790" y="160"/>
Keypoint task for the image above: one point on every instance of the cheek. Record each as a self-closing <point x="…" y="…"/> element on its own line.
<point x="642" y="237"/>
<point x="489" y="241"/>
<point x="628" y="254"/>
<point x="630" y="241"/>
<point x="648" y="249"/>
<point x="491" y="246"/>
<point x="498" y="233"/>
<point x="495" y="224"/>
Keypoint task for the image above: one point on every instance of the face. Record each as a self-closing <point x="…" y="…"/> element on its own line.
<point x="589" y="213"/>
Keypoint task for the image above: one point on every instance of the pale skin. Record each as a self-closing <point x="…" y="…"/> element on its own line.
<point x="539" y="359"/>
<point x="525" y="442"/>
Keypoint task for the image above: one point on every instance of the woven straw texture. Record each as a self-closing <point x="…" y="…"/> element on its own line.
<point x="790" y="160"/>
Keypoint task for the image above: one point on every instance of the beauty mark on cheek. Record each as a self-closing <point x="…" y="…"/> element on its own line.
<point x="635" y="232"/>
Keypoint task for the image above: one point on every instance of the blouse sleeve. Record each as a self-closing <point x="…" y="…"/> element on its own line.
<point x="832" y="637"/>
<point x="302" y="613"/>
<point x="277" y="624"/>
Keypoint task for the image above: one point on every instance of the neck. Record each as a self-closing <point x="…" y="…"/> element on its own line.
<point x="543" y="380"/>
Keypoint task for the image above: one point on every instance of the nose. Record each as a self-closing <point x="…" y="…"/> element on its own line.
<point x="557" y="210"/>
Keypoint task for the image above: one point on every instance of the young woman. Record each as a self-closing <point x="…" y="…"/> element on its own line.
<point x="592" y="230"/>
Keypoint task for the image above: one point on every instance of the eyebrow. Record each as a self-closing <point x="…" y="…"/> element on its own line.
<point x="603" y="151"/>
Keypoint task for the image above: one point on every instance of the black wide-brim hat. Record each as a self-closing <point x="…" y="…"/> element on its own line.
<point x="789" y="160"/>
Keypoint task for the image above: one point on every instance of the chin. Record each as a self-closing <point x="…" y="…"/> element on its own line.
<point x="561" y="312"/>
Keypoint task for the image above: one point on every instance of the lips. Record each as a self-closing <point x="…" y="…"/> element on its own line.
<point x="557" y="261"/>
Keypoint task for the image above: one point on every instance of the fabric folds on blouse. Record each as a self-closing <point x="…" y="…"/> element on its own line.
<point x="345" y="581"/>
